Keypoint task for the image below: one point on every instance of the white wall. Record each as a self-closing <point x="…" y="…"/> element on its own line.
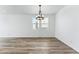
<point x="67" y="26"/>
<point x="12" y="25"/>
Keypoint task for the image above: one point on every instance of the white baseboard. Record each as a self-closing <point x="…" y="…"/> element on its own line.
<point x="68" y="43"/>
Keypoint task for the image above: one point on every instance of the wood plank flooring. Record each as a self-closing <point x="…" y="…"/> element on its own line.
<point x="34" y="46"/>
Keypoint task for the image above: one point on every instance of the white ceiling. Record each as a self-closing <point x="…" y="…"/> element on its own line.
<point x="29" y="9"/>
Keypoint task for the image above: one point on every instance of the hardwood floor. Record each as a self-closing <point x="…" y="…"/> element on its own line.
<point x="34" y="46"/>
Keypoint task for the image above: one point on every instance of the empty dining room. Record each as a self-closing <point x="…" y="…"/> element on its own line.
<point x="39" y="29"/>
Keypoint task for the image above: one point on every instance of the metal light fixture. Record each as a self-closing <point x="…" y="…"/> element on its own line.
<point x="39" y="16"/>
<point x="39" y="21"/>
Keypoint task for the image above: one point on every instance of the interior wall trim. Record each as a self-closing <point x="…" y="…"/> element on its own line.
<point x="27" y="37"/>
<point x="66" y="44"/>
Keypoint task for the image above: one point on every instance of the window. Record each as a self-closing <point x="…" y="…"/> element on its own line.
<point x="44" y="23"/>
<point x="34" y="22"/>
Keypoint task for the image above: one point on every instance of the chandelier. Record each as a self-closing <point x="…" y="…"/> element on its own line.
<point x="40" y="16"/>
<point x="40" y="21"/>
